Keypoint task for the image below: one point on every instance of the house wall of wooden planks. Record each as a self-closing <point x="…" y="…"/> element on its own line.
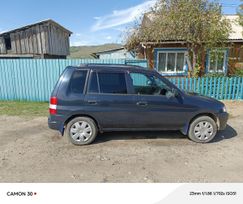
<point x="46" y="39"/>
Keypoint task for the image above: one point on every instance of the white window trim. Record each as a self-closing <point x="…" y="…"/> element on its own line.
<point x="209" y="63"/>
<point x="166" y="56"/>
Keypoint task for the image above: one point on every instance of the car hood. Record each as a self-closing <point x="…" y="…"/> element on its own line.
<point x="203" y="100"/>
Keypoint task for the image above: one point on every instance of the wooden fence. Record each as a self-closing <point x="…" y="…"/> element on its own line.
<point x="221" y="88"/>
<point x="33" y="80"/>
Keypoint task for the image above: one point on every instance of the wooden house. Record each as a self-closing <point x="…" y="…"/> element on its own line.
<point x="171" y="58"/>
<point x="45" y="39"/>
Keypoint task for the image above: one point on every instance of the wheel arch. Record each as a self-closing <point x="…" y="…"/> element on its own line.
<point x="211" y="115"/>
<point x="82" y="115"/>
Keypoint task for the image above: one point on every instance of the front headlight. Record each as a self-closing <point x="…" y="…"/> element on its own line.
<point x="224" y="109"/>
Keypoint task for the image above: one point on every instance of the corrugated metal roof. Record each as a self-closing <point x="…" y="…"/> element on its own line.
<point x="37" y="23"/>
<point x="237" y="29"/>
<point x="110" y="50"/>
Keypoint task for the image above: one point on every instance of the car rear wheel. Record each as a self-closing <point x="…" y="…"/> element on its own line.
<point x="81" y="131"/>
<point x="203" y="129"/>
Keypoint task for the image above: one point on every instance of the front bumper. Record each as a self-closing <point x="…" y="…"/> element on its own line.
<point x="222" y="120"/>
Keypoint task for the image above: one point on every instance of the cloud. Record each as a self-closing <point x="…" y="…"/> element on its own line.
<point x="93" y="38"/>
<point x="108" y="37"/>
<point x="121" y="17"/>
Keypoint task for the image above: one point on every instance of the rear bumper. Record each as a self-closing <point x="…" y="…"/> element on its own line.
<point x="55" y="124"/>
<point x="223" y="118"/>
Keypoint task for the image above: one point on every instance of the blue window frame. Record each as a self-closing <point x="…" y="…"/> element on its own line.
<point x="217" y="60"/>
<point x="171" y="61"/>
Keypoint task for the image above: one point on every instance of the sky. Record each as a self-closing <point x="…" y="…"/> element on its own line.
<point x="92" y="22"/>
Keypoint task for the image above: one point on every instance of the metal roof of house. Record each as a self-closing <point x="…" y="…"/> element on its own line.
<point x="110" y="50"/>
<point x="237" y="29"/>
<point x="37" y="23"/>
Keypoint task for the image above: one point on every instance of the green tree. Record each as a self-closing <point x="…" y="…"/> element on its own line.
<point x="199" y="23"/>
<point x="240" y="13"/>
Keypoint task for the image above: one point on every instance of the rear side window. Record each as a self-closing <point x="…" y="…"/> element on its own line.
<point x="112" y="83"/>
<point x="78" y="81"/>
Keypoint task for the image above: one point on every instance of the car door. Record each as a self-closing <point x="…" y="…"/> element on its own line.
<point x="108" y="101"/>
<point x="156" y="108"/>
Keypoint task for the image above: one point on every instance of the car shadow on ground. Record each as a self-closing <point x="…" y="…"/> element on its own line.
<point x="228" y="133"/>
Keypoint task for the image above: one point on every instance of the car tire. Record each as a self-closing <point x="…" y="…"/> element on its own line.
<point x="202" y="129"/>
<point x="81" y="131"/>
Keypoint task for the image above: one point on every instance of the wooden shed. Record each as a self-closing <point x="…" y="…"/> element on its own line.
<point x="45" y="39"/>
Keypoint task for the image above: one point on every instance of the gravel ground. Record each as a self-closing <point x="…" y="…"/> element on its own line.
<point x="30" y="152"/>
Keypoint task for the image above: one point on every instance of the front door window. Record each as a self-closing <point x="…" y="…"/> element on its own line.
<point x="148" y="84"/>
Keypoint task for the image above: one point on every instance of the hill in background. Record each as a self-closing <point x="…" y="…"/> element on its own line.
<point x="86" y="51"/>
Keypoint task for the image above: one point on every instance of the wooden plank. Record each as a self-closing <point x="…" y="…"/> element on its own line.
<point x="30" y="40"/>
<point x="230" y="89"/>
<point x="218" y="88"/>
<point x="214" y="87"/>
<point x="22" y="41"/>
<point x="18" y="43"/>
<point x="238" y="88"/>
<point x="210" y="86"/>
<point x="47" y="45"/>
<point x="13" y="43"/>
<point x="35" y="48"/>
<point x="206" y="87"/>
<point x="2" y="46"/>
<point x="234" y="88"/>
<point x="202" y="86"/>
<point x="49" y="37"/>
<point x="39" y="41"/>
<point x="27" y="35"/>
<point x="43" y="40"/>
<point x="226" y="88"/>
<point x="241" y="87"/>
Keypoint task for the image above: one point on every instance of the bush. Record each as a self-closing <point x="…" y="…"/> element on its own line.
<point x="239" y="72"/>
<point x="196" y="71"/>
<point x="214" y="74"/>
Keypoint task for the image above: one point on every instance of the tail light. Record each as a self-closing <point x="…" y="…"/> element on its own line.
<point x="53" y="106"/>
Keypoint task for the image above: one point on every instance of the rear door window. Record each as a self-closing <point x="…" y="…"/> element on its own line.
<point x="112" y="83"/>
<point x="77" y="82"/>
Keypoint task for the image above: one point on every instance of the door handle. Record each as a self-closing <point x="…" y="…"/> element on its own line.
<point x="92" y="102"/>
<point x="142" y="103"/>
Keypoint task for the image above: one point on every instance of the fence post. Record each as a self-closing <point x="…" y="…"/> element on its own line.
<point x="206" y="88"/>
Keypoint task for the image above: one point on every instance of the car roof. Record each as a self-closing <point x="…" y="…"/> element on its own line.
<point x="117" y="66"/>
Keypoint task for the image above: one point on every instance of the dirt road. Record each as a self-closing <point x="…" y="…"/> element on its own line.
<point x="30" y="152"/>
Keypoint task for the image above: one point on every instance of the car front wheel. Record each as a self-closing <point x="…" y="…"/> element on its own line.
<point x="81" y="130"/>
<point x="203" y="129"/>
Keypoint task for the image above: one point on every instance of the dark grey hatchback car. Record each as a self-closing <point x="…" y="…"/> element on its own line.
<point x="97" y="98"/>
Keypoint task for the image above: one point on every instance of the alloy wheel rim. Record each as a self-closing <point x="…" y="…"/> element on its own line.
<point x="81" y="131"/>
<point x="203" y="130"/>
